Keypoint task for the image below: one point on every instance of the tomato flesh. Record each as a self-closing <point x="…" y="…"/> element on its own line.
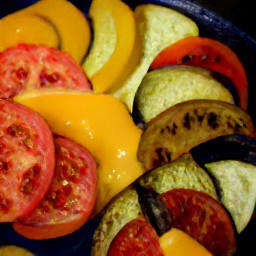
<point x="210" y="54"/>
<point x="202" y="217"/>
<point x="138" y="238"/>
<point x="26" y="159"/>
<point x="27" y="66"/>
<point x="70" y="198"/>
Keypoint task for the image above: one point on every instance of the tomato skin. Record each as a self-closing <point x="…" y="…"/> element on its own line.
<point x="70" y="198"/>
<point x="206" y="53"/>
<point x="138" y="238"/>
<point x="27" y="159"/>
<point x="28" y="66"/>
<point x="202" y="217"/>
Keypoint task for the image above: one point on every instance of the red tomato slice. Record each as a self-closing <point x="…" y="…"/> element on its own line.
<point x="138" y="238"/>
<point x="70" y="198"/>
<point x="35" y="66"/>
<point x="202" y="217"/>
<point x="210" y="54"/>
<point x="27" y="159"/>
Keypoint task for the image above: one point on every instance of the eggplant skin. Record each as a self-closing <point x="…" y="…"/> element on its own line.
<point x="125" y="206"/>
<point x="229" y="147"/>
<point x="231" y="163"/>
<point x="121" y="210"/>
<point x="235" y="182"/>
<point x="187" y="124"/>
<point x="154" y="209"/>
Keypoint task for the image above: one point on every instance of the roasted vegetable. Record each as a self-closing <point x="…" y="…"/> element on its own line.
<point x="228" y="147"/>
<point x="125" y="206"/>
<point x="231" y="162"/>
<point x="187" y="124"/>
<point x="153" y="38"/>
<point x="163" y="88"/>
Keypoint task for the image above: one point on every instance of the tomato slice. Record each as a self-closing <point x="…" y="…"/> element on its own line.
<point x="27" y="159"/>
<point x="207" y="53"/>
<point x="138" y="238"/>
<point x="70" y="198"/>
<point x="26" y="66"/>
<point x="202" y="217"/>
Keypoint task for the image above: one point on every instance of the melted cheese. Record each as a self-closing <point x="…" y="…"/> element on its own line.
<point x="99" y="122"/>
<point x="177" y="243"/>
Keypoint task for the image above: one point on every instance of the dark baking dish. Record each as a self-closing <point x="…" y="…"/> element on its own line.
<point x="215" y="20"/>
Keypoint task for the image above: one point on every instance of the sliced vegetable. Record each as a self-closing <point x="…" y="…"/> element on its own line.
<point x="235" y="181"/>
<point x="187" y="124"/>
<point x="100" y="123"/>
<point x="154" y="209"/>
<point x="207" y="53"/>
<point x="70" y="198"/>
<point x="165" y="87"/>
<point x="183" y="172"/>
<point x="176" y="243"/>
<point x="26" y="160"/>
<point x="148" y="17"/>
<point x="138" y="238"/>
<point x="227" y="147"/>
<point x="230" y="160"/>
<point x="161" y="219"/>
<point x="202" y="217"/>
<point x="69" y="22"/>
<point x="114" y="52"/>
<point x="25" y="67"/>
<point x="31" y="29"/>
<point x="124" y="207"/>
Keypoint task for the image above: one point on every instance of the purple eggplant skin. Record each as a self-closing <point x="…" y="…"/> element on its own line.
<point x="154" y="209"/>
<point x="228" y="147"/>
<point x="228" y="84"/>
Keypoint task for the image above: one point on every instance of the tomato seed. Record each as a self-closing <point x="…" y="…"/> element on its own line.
<point x="17" y="131"/>
<point x="21" y="74"/>
<point x="67" y="190"/>
<point x="29" y="179"/>
<point x="83" y="171"/>
<point x="11" y="130"/>
<point x="46" y="79"/>
<point x="27" y="142"/>
<point x="5" y="205"/>
<point x="4" y="167"/>
<point x="44" y="207"/>
<point x="60" y="200"/>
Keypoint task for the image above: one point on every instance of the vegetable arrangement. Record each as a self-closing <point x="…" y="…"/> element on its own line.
<point x="144" y="125"/>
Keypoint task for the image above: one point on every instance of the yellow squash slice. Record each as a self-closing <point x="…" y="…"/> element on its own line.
<point x="113" y="54"/>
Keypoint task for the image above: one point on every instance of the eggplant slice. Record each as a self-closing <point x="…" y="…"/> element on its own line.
<point x="231" y="162"/>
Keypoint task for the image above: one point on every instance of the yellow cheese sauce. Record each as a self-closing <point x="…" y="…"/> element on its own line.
<point x="99" y="122"/>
